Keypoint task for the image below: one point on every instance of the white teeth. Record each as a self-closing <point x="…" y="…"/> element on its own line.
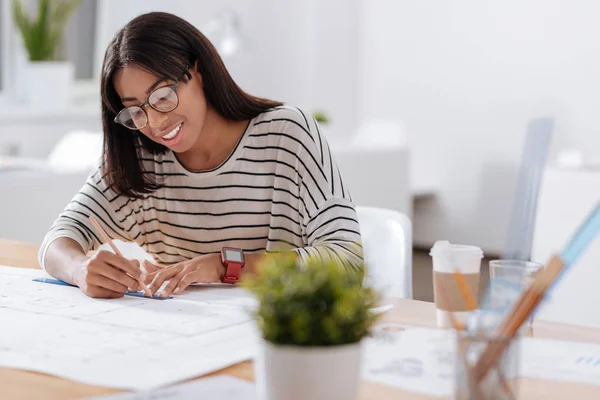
<point x="172" y="134"/>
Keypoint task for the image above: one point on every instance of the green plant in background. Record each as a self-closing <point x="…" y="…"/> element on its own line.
<point x="43" y="33"/>
<point x="317" y="303"/>
<point x="321" y="117"/>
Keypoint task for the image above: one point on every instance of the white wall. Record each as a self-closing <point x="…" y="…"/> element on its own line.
<point x="335" y="86"/>
<point x="464" y="77"/>
<point x="265" y="59"/>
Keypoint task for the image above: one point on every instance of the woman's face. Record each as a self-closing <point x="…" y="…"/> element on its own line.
<point x="179" y="129"/>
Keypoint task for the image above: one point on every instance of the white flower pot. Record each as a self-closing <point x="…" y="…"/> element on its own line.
<point x="48" y="84"/>
<point x="308" y="373"/>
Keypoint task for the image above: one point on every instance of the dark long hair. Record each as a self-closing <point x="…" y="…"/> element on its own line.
<point x="164" y="45"/>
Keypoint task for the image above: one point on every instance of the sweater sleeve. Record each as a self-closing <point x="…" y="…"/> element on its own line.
<point x="97" y="199"/>
<point x="330" y="220"/>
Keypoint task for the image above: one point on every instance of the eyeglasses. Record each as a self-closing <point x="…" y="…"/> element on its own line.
<point x="164" y="99"/>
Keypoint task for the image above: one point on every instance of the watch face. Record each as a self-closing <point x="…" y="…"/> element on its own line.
<point x="233" y="255"/>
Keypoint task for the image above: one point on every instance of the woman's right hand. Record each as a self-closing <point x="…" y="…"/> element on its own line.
<point x="107" y="275"/>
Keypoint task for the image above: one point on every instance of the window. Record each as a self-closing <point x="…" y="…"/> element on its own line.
<point x="1" y="56"/>
<point x="4" y="42"/>
<point x="78" y="45"/>
<point x="80" y="38"/>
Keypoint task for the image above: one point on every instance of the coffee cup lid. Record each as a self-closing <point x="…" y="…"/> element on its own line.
<point x="444" y="248"/>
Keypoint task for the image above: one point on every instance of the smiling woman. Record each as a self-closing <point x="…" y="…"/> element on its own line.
<point x="194" y="166"/>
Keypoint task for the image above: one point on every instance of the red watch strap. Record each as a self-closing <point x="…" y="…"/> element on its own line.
<point x="233" y="270"/>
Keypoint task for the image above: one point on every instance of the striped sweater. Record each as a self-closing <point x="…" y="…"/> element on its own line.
<point x="280" y="188"/>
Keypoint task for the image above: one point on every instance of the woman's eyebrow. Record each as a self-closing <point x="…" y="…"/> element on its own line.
<point x="151" y="88"/>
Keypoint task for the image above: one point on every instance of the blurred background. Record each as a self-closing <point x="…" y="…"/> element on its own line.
<point x="427" y="104"/>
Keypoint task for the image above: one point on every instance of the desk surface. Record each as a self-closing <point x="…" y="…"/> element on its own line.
<point x="17" y="384"/>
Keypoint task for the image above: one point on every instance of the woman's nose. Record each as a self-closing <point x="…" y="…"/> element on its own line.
<point x="155" y="119"/>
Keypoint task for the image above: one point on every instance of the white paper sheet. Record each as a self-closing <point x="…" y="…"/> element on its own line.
<point x="129" y="343"/>
<point x="213" y="388"/>
<point x="422" y="360"/>
<point x="219" y="294"/>
<point x="412" y="358"/>
<point x="561" y="361"/>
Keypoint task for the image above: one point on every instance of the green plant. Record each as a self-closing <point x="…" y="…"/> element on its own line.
<point x="321" y="117"/>
<point x="317" y="303"/>
<point x="43" y="34"/>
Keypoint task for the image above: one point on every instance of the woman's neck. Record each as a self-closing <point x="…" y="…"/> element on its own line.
<point x="217" y="140"/>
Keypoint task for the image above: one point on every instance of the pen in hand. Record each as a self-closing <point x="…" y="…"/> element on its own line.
<point x="108" y="240"/>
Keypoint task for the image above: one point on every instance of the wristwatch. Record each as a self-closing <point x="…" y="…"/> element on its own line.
<point x="233" y="260"/>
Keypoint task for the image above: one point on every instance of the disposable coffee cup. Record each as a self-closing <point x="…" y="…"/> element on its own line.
<point x="447" y="259"/>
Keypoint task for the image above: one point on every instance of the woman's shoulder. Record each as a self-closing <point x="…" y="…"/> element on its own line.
<point x="287" y="119"/>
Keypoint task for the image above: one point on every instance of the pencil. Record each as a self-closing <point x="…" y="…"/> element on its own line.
<point x="457" y="325"/>
<point x="469" y="370"/>
<point x="466" y="293"/>
<point x="521" y="311"/>
<point x="108" y="240"/>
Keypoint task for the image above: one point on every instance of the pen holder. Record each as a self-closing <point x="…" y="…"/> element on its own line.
<point x="500" y="383"/>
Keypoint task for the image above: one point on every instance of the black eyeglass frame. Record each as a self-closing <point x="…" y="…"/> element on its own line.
<point x="172" y="86"/>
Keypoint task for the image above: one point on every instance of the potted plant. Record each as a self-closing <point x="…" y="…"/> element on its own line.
<point x="312" y="317"/>
<point x="47" y="76"/>
<point x="321" y="117"/>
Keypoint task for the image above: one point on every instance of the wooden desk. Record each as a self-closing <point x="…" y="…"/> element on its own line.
<point x="16" y="384"/>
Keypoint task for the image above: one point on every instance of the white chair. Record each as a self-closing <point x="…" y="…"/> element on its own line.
<point x="387" y="249"/>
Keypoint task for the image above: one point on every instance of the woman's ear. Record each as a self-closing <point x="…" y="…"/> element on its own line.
<point x="196" y="75"/>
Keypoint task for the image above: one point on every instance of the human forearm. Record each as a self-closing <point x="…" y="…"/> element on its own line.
<point x="64" y="259"/>
<point x="105" y="274"/>
<point x="207" y="268"/>
<point x="251" y="263"/>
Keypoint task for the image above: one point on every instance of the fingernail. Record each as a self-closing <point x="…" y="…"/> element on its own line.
<point x="177" y="290"/>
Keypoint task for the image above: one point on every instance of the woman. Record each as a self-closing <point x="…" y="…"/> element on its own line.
<point x="200" y="174"/>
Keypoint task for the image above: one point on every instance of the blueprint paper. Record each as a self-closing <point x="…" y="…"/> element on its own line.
<point x="411" y="358"/>
<point x="129" y="343"/>
<point x="219" y="294"/>
<point x="421" y="360"/>
<point x="561" y="361"/>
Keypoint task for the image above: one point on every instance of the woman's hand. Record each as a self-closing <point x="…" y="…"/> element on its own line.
<point x="206" y="269"/>
<point x="107" y="275"/>
<point x="149" y="269"/>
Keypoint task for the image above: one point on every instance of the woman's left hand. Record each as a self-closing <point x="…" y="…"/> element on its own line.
<point x="206" y="269"/>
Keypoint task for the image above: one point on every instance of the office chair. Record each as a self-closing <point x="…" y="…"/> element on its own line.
<point x="387" y="249"/>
